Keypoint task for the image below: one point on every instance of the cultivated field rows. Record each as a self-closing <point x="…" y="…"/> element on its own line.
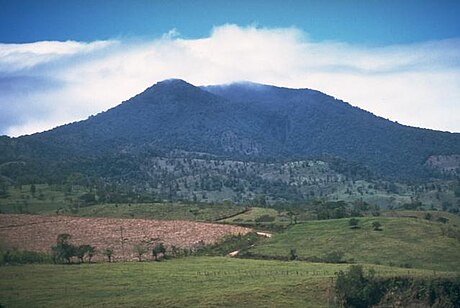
<point x="39" y="233"/>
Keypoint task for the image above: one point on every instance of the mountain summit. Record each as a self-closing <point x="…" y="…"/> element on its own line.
<point x="241" y="121"/>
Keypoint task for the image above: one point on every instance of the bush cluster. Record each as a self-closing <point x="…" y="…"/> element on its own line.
<point x="12" y="256"/>
<point x="355" y="288"/>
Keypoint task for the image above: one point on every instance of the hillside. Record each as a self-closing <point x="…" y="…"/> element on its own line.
<point x="238" y="141"/>
<point x="403" y="242"/>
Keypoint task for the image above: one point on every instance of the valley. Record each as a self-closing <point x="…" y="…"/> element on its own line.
<point x="409" y="246"/>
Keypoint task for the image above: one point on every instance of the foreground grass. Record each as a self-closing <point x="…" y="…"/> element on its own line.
<point x="407" y="242"/>
<point x="187" y="282"/>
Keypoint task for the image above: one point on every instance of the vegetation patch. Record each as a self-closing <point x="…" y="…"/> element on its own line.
<point x="355" y="288"/>
<point x="405" y="242"/>
<point x="14" y="256"/>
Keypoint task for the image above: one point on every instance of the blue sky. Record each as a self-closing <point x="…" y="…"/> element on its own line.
<point x="364" y="21"/>
<point x="61" y="61"/>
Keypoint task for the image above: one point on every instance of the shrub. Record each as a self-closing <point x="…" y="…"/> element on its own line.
<point x="108" y="252"/>
<point x="443" y="220"/>
<point x="265" y="218"/>
<point x="159" y="250"/>
<point x="293" y="254"/>
<point x="377" y="226"/>
<point x="334" y="257"/>
<point x="84" y="250"/>
<point x="140" y="249"/>
<point x="355" y="289"/>
<point x="23" y="257"/>
<point x="354" y="223"/>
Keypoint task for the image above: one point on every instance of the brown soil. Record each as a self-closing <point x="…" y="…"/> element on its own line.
<point x="39" y="233"/>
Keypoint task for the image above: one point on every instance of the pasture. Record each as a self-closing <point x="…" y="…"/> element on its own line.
<point x="183" y="282"/>
<point x="401" y="241"/>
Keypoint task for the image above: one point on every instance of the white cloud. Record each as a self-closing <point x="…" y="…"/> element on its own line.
<point x="45" y="84"/>
<point x="14" y="57"/>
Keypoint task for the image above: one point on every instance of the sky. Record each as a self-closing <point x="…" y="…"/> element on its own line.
<point x="62" y="61"/>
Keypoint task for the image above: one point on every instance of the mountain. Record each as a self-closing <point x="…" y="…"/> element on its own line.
<point x="309" y="123"/>
<point x="240" y="122"/>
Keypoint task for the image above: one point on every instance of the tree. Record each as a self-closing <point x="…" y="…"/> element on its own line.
<point x="354" y="223"/>
<point x="33" y="189"/>
<point x="108" y="252"/>
<point x="63" y="250"/>
<point x="91" y="251"/>
<point x="293" y="254"/>
<point x="158" y="250"/>
<point x="377" y="226"/>
<point x="80" y="252"/>
<point x="293" y="217"/>
<point x="85" y="250"/>
<point x="88" y="199"/>
<point x="334" y="257"/>
<point x="175" y="251"/>
<point x="140" y="249"/>
<point x="355" y="289"/>
<point x="444" y="220"/>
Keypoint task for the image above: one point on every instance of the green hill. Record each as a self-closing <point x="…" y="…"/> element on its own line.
<point x="407" y="242"/>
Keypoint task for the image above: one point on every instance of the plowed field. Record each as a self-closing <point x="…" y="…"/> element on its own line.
<point x="39" y="233"/>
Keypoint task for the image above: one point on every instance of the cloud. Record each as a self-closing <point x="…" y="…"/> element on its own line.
<point x="15" y="57"/>
<point x="46" y="84"/>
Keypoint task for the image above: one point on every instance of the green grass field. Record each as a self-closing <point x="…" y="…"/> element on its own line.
<point x="48" y="199"/>
<point x="162" y="211"/>
<point x="186" y="282"/>
<point x="435" y="215"/>
<point x="417" y="243"/>
<point x="407" y="239"/>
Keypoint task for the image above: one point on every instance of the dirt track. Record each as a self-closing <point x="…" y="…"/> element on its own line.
<point x="38" y="233"/>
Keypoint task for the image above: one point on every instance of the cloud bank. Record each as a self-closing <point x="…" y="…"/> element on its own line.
<point x="45" y="84"/>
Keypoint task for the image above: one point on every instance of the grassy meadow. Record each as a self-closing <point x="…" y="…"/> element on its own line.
<point x="407" y="242"/>
<point x="161" y="211"/>
<point x="45" y="199"/>
<point x="184" y="282"/>
<point x="51" y="200"/>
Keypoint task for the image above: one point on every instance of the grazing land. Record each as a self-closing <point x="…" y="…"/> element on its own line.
<point x="183" y="282"/>
<point x="39" y="233"/>
<point x="401" y="241"/>
<point x="162" y="211"/>
<point x="69" y="200"/>
<point x="253" y="215"/>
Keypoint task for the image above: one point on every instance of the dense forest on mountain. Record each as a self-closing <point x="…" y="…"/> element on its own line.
<point x="242" y="140"/>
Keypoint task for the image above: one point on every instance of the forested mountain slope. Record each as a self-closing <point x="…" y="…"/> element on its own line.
<point x="240" y="122"/>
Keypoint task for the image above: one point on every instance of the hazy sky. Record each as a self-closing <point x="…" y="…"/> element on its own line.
<point x="61" y="61"/>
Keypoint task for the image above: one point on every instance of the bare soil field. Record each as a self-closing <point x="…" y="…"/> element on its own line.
<point x="39" y="233"/>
